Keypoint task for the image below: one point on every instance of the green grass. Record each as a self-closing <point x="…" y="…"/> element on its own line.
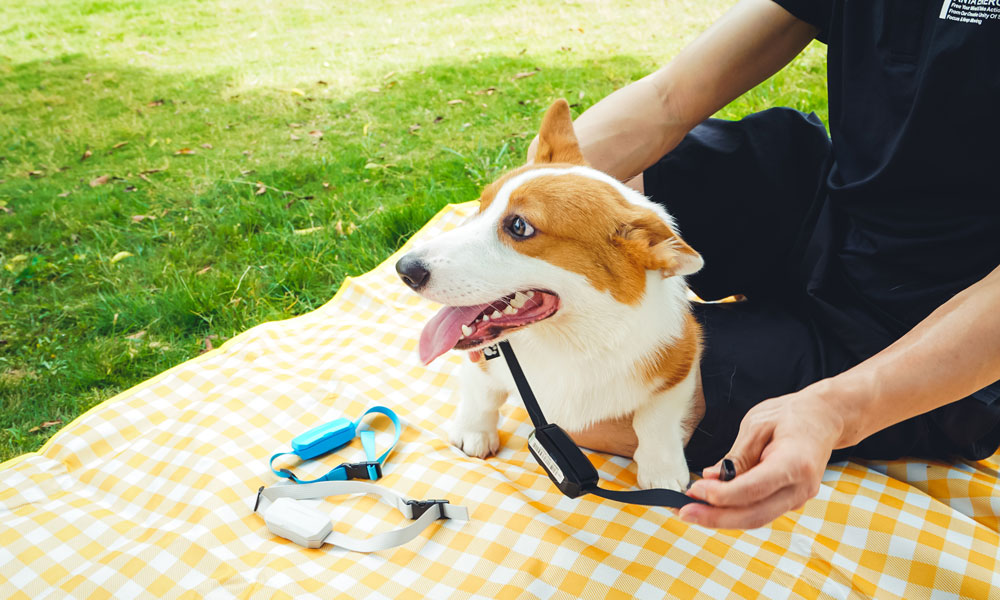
<point x="320" y="136"/>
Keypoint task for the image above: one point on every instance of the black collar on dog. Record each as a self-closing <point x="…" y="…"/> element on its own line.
<point x="564" y="462"/>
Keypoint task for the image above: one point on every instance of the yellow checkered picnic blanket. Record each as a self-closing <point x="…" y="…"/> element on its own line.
<point x="150" y="494"/>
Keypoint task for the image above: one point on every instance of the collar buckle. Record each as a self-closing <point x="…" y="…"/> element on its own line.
<point x="419" y="507"/>
<point x="370" y="470"/>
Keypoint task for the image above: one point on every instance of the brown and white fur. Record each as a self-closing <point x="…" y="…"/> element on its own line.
<point x="615" y="338"/>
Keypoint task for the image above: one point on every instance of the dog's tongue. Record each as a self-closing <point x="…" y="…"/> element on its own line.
<point x="443" y="331"/>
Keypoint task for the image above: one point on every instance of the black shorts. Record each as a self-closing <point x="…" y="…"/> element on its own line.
<point x="750" y="196"/>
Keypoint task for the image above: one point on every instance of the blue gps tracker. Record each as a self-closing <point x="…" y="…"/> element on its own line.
<point x="330" y="436"/>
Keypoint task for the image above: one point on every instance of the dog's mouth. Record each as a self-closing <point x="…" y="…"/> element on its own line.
<point x="469" y="327"/>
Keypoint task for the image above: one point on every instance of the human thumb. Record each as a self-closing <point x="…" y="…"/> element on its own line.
<point x="750" y="442"/>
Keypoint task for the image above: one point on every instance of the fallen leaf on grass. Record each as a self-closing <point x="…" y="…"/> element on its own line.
<point x="261" y="188"/>
<point x="87" y="154"/>
<point x="151" y="171"/>
<point x="307" y="231"/>
<point x="138" y="335"/>
<point x="326" y="185"/>
<point x="205" y="270"/>
<point x="207" y="146"/>
<point x="36" y="174"/>
<point x="119" y="145"/>
<point x="488" y="91"/>
<point x="295" y="125"/>
<point x="185" y="152"/>
<point x="295" y="92"/>
<point x="100" y="180"/>
<point x="321" y="82"/>
<point x="316" y="133"/>
<point x="141" y="218"/>
<point x="144" y="178"/>
<point x="44" y="425"/>
<point x="526" y="74"/>
<point x="415" y="128"/>
<point x="294" y="137"/>
<point x="3" y="207"/>
<point x="157" y="102"/>
<point x="208" y="343"/>
<point x="438" y="119"/>
<point x="456" y="101"/>
<point x="130" y="188"/>
<point x="121" y="256"/>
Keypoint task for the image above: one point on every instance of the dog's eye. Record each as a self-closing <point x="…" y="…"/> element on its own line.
<point x="519" y="228"/>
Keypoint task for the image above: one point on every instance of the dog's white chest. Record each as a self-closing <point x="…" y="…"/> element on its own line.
<point x="574" y="393"/>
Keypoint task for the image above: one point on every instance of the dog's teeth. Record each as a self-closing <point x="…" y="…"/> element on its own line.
<point x="484" y="318"/>
<point x="510" y="310"/>
<point x="466" y="330"/>
<point x="518" y="300"/>
<point x="531" y="294"/>
<point x="496" y="314"/>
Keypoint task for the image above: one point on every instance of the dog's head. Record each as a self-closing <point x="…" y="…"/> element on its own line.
<point x="554" y="237"/>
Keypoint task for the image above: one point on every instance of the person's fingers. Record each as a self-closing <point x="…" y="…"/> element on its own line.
<point x="754" y="435"/>
<point x="724" y="470"/>
<point x="783" y="466"/>
<point x="746" y="517"/>
<point x="713" y="472"/>
<point x="750" y="443"/>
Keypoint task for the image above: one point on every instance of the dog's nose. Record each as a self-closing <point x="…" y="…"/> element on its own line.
<point x="413" y="272"/>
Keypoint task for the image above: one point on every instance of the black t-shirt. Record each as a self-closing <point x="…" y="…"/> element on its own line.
<point x="913" y="192"/>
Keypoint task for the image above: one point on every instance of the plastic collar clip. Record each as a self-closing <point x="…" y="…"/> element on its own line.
<point x="337" y="433"/>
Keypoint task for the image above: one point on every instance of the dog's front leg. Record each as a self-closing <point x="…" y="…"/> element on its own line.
<point x="474" y="430"/>
<point x="659" y="427"/>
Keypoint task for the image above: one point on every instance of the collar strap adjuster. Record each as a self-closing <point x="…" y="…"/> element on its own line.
<point x="419" y="507"/>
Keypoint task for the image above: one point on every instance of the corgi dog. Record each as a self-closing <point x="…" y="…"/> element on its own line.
<point x="585" y="277"/>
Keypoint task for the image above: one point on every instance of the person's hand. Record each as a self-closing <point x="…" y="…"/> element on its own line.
<point x="780" y="455"/>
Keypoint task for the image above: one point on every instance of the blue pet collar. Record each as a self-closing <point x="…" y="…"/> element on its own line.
<point x="333" y="435"/>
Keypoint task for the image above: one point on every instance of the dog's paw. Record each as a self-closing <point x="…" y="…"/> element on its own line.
<point x="672" y="477"/>
<point x="478" y="444"/>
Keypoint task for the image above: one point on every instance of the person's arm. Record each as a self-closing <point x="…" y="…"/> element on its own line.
<point x="632" y="128"/>
<point x="784" y="443"/>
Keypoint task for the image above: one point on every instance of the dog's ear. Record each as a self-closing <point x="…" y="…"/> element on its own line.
<point x="659" y="247"/>
<point x="556" y="140"/>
